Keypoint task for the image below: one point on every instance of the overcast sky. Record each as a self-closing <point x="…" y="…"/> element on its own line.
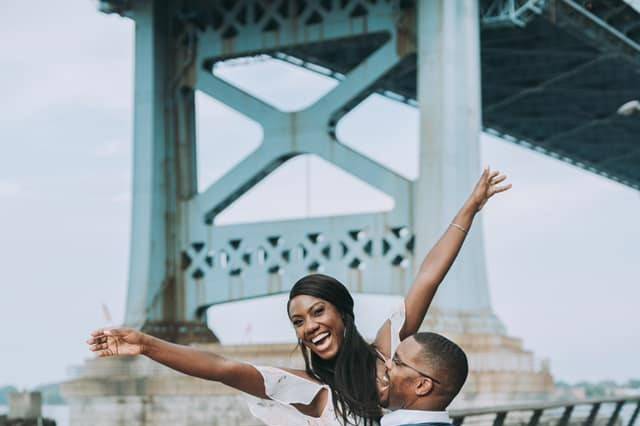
<point x="562" y="246"/>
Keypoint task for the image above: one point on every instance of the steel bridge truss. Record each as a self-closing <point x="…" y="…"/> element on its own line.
<point x="530" y="66"/>
<point x="222" y="263"/>
<point x="510" y="12"/>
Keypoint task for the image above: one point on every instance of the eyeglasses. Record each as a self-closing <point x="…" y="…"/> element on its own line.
<point x="398" y="362"/>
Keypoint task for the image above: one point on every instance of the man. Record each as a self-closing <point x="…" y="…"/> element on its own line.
<point x="422" y="377"/>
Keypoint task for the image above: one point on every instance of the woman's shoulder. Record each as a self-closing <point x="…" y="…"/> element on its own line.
<point x="288" y="385"/>
<point x="293" y="395"/>
<point x="302" y="374"/>
<point x="294" y="398"/>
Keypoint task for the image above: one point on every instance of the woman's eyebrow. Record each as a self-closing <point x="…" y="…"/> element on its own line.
<point x="310" y="309"/>
<point x="314" y="305"/>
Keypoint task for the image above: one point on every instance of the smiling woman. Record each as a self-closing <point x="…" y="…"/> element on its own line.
<point x="318" y="324"/>
<point x="334" y="352"/>
<point x="343" y="376"/>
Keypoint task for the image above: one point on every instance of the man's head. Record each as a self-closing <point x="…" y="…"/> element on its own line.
<point x="426" y="373"/>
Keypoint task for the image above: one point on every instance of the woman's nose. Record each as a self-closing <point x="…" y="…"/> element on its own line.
<point x="311" y="326"/>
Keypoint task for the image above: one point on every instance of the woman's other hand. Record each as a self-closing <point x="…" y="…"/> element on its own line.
<point x="488" y="185"/>
<point x="116" y="342"/>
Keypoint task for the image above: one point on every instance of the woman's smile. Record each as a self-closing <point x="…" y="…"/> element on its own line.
<point x="322" y="341"/>
<point x="318" y="325"/>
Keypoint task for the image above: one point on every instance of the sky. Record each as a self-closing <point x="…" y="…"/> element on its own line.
<point x="562" y="246"/>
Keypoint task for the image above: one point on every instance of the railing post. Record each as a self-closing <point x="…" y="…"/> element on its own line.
<point x="634" y="416"/>
<point x="535" y="417"/>
<point x="592" y="414"/>
<point x="499" y="420"/>
<point x="563" y="418"/>
<point x="564" y="421"/>
<point x="616" y="413"/>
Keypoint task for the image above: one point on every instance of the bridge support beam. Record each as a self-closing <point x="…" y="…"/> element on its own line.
<point x="450" y="125"/>
<point x="164" y="176"/>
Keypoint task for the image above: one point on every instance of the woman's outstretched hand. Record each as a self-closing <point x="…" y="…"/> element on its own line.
<point x="116" y="341"/>
<point x="487" y="186"/>
<point x="185" y="359"/>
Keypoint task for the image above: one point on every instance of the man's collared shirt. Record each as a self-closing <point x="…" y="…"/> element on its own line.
<point x="409" y="417"/>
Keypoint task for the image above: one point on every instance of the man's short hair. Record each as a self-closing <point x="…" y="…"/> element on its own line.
<point x="446" y="360"/>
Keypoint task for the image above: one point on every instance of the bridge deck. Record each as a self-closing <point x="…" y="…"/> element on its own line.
<point x="554" y="85"/>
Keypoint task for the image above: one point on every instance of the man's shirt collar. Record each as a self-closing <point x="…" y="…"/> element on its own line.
<point x="408" y="417"/>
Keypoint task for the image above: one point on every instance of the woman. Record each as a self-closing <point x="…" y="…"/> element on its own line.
<point x="339" y="380"/>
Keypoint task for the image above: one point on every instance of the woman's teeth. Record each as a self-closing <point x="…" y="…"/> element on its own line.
<point x="319" y="338"/>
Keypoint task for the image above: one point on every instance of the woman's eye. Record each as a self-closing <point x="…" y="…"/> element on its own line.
<point x="297" y="323"/>
<point x="319" y="312"/>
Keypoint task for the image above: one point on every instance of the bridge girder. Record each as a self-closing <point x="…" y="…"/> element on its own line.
<point x="546" y="86"/>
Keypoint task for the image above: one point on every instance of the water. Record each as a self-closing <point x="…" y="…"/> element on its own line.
<point x="59" y="413"/>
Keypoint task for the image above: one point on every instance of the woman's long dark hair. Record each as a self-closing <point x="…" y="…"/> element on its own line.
<point x="351" y="374"/>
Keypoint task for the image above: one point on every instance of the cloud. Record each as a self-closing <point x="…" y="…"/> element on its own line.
<point x="109" y="149"/>
<point x="10" y="188"/>
<point x="122" y="197"/>
<point x="91" y="70"/>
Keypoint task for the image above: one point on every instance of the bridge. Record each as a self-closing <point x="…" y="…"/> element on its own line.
<point x="550" y="75"/>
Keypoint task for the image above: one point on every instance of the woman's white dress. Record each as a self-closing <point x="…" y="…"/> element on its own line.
<point x="285" y="388"/>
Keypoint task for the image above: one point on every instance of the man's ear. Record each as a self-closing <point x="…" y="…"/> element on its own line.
<point x="424" y="387"/>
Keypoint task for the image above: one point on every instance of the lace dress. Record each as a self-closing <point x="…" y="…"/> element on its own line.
<point x="286" y="388"/>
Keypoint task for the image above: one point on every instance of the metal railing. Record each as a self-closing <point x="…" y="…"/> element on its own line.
<point x="533" y="414"/>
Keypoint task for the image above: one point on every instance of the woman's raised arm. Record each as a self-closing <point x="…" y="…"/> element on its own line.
<point x="194" y="362"/>
<point x="436" y="264"/>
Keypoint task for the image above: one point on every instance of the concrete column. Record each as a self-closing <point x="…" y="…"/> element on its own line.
<point x="164" y="177"/>
<point x="450" y="124"/>
<point x="148" y="249"/>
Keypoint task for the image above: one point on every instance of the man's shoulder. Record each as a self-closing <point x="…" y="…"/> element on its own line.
<point x="416" y="418"/>
<point x="427" y="424"/>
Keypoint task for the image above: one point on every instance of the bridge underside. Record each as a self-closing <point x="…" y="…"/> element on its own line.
<point x="554" y="85"/>
<point x="551" y="82"/>
<point x="554" y="74"/>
